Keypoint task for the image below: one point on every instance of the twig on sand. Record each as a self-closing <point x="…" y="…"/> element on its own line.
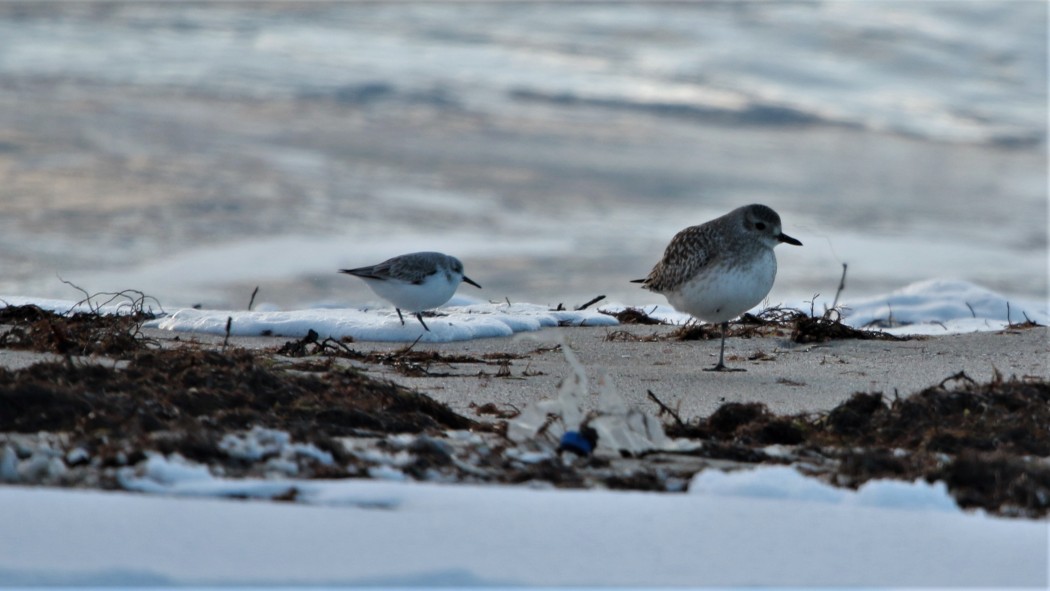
<point x="135" y="300"/>
<point x="666" y="409"/>
<point x="592" y="301"/>
<point x="404" y="350"/>
<point x="330" y="343"/>
<point x="251" y="302"/>
<point x="226" y="339"/>
<point x="842" y="286"/>
<point x="958" y="376"/>
<point x="813" y="305"/>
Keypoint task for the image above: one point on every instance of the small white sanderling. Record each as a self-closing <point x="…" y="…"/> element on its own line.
<point x="721" y="269"/>
<point x="414" y="282"/>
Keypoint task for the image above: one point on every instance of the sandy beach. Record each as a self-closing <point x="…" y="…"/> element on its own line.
<point x="184" y="393"/>
<point x="788" y="377"/>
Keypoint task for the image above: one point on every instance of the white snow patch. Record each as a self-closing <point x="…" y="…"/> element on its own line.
<point x="275" y="445"/>
<point x="932" y="307"/>
<point x="455" y="323"/>
<point x="163" y="471"/>
<point x="783" y="483"/>
<point x="941" y="306"/>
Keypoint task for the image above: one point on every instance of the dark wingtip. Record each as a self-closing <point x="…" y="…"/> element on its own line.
<point x="359" y="273"/>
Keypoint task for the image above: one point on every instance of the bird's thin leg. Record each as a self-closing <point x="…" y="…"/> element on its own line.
<point x="400" y="316"/>
<point x="419" y="315"/>
<point x="722" y="349"/>
<point x="722" y="353"/>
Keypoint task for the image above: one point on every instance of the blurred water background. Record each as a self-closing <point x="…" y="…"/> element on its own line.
<point x="197" y="150"/>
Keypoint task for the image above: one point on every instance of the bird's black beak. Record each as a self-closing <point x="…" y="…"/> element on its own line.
<point x="785" y="238"/>
<point x="470" y="281"/>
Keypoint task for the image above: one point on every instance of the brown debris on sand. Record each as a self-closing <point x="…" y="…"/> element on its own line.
<point x="406" y="360"/>
<point x="634" y="316"/>
<point x="985" y="441"/>
<point x="822" y="329"/>
<point x="35" y="329"/>
<point x="185" y="400"/>
<point x="774" y="321"/>
<point x="101" y="409"/>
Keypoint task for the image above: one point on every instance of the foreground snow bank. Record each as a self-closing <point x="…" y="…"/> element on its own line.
<point x="367" y="532"/>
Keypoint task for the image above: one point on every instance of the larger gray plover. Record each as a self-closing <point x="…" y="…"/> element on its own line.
<point x="414" y="282"/>
<point x="721" y="269"/>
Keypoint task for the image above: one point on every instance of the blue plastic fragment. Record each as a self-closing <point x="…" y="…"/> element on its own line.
<point x="575" y="442"/>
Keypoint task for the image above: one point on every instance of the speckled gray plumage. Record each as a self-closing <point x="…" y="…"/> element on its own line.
<point x="410" y="268"/>
<point x="718" y="270"/>
<point x="726" y="240"/>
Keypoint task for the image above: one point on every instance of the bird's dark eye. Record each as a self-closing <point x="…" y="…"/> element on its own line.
<point x="760" y="226"/>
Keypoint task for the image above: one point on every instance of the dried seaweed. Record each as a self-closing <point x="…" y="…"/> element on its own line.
<point x="184" y="400"/>
<point x="992" y="435"/>
<point x="82" y="333"/>
<point x="826" y="328"/>
<point x="634" y="316"/>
